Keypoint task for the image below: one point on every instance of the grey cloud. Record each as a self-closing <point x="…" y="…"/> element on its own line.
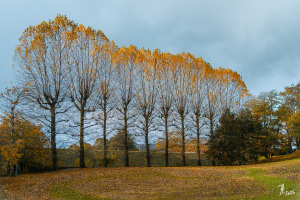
<point x="258" y="39"/>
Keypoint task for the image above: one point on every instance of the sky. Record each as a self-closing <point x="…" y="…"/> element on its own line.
<point x="258" y="39"/>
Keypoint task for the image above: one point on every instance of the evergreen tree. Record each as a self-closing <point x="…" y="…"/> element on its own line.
<point x="236" y="139"/>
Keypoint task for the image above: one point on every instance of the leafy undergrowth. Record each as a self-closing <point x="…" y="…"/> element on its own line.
<point x="259" y="181"/>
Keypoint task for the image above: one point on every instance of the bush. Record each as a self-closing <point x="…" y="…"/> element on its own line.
<point x="26" y="148"/>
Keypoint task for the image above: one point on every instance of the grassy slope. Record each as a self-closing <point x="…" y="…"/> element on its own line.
<point x="237" y="182"/>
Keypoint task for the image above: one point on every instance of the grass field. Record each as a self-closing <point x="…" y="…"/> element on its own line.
<point x="258" y="181"/>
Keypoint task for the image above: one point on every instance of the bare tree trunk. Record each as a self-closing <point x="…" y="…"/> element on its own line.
<point x="126" y="148"/>
<point x="81" y="140"/>
<point x="12" y="137"/>
<point x="198" y="140"/>
<point x="211" y="134"/>
<point x="298" y="142"/>
<point x="290" y="141"/>
<point x="183" y="141"/>
<point x="256" y="148"/>
<point x="11" y="170"/>
<point x="104" y="137"/>
<point x="53" y="140"/>
<point x="12" y="140"/>
<point x="147" y="143"/>
<point x="167" y="142"/>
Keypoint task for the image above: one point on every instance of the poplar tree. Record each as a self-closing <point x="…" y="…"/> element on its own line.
<point x="105" y="91"/>
<point x="83" y="74"/>
<point x="165" y="99"/>
<point x="41" y="60"/>
<point x="198" y="101"/>
<point x="181" y="75"/>
<point x="126" y="93"/>
<point x="147" y="92"/>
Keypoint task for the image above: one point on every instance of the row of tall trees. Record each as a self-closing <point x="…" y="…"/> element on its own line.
<point x="60" y="62"/>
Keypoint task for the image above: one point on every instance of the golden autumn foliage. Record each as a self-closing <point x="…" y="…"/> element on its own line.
<point x="27" y="147"/>
<point x="294" y="122"/>
<point x="11" y="153"/>
<point x="290" y="112"/>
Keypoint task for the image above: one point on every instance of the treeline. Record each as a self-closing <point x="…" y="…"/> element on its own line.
<point x="66" y="70"/>
<point x="267" y="126"/>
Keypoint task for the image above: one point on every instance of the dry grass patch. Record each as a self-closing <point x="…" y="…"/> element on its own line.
<point x="169" y="183"/>
<point x="38" y="186"/>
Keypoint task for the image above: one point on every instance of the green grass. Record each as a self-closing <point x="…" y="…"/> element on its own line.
<point x="272" y="184"/>
<point x="63" y="191"/>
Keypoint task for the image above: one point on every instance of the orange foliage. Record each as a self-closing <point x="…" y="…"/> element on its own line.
<point x="26" y="147"/>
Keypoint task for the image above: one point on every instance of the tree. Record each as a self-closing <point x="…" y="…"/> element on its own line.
<point x="234" y="140"/>
<point x="290" y="107"/>
<point x="222" y="139"/>
<point x="165" y="98"/>
<point x="250" y="130"/>
<point x="147" y="92"/>
<point x="224" y="90"/>
<point x="83" y="73"/>
<point x="210" y="90"/>
<point x="105" y="97"/>
<point x="231" y="89"/>
<point x="41" y="59"/>
<point x="294" y="125"/>
<point x="126" y="80"/>
<point x="30" y="147"/>
<point x="117" y="142"/>
<point x="263" y="108"/>
<point x="197" y="100"/>
<point x="182" y="75"/>
<point x="283" y="114"/>
<point x="12" y="99"/>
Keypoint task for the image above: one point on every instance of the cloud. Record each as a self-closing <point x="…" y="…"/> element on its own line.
<point x="258" y="39"/>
